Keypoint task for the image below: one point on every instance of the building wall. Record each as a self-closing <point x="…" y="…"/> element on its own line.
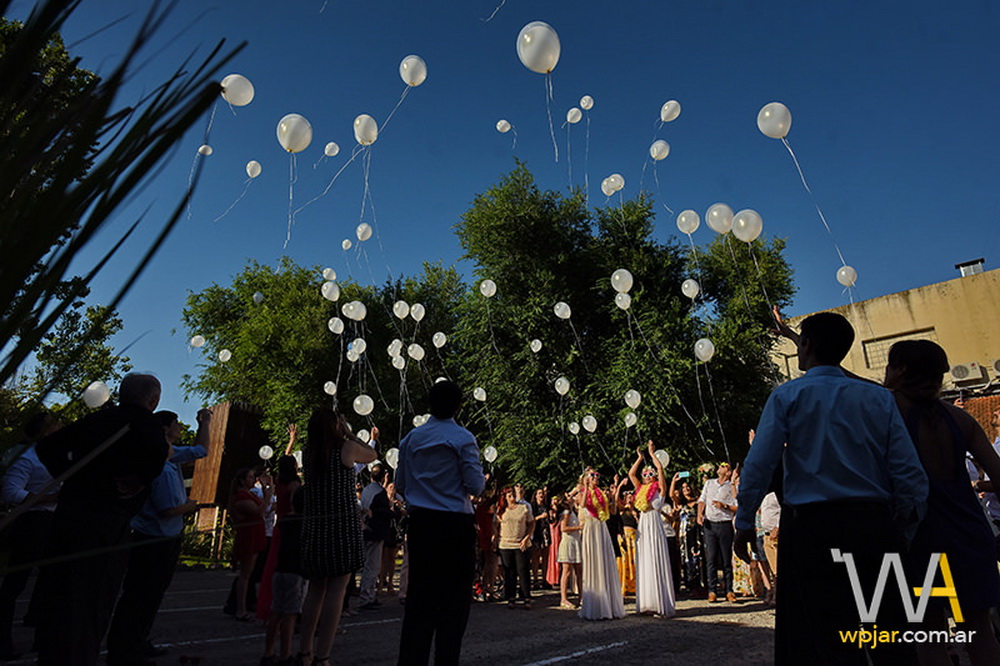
<point x="961" y="315"/>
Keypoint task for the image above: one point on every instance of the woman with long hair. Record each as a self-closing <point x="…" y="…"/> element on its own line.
<point x="247" y="514"/>
<point x="627" y="541"/>
<point x="555" y="535"/>
<point x="570" y="550"/>
<point x="331" y="532"/>
<point x="516" y="524"/>
<point x="286" y="483"/>
<point x="955" y="524"/>
<point x="602" y="594"/>
<point x="541" y="539"/>
<point x="685" y="498"/>
<point x="654" y="591"/>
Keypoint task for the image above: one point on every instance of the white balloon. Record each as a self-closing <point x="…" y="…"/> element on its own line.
<point x="360" y="311"/>
<point x="690" y="288"/>
<point x="346" y="244"/>
<point x="359" y="345"/>
<point x="562" y="310"/>
<point x="413" y="70"/>
<point x="330" y="388"/>
<point x="586" y="102"/>
<point x="364" y="405"/>
<point x="632" y="398"/>
<point x="659" y="150"/>
<point x="237" y="90"/>
<point x="488" y="288"/>
<point x="574" y="115"/>
<point x="330" y="291"/>
<point x="503" y="126"/>
<point x="353" y="356"/>
<point x="363" y="232"/>
<point x="439" y="339"/>
<point x="392" y="457"/>
<point x="265" y="452"/>
<point x="630" y="419"/>
<point x="365" y="130"/>
<point x="417" y="311"/>
<point x="774" y="120"/>
<point x="398" y="362"/>
<point x="607" y="187"/>
<point x="418" y="421"/>
<point x="365" y="437"/>
<point x="298" y="458"/>
<point x="621" y="281"/>
<point x="574" y="428"/>
<point x="294" y="133"/>
<point x="225" y="355"/>
<point x="198" y="341"/>
<point x="704" y="350"/>
<point x="395" y="348"/>
<point x="258" y="297"/>
<point x="96" y="394"/>
<point x="401" y="309"/>
<point x="847" y="276"/>
<point x="253" y="168"/>
<point x="205" y="150"/>
<point x="562" y="386"/>
<point x="331" y="149"/>
<point x="747" y="225"/>
<point x="479" y="393"/>
<point x="589" y="423"/>
<point x="538" y="47"/>
<point x="688" y="222"/>
<point x="490" y="453"/>
<point x="662" y="456"/>
<point x="670" y="110"/>
<point x="719" y="218"/>
<point x="623" y="301"/>
<point x="617" y="181"/>
<point x="415" y="351"/>
<point x="536" y="345"/>
<point x="329" y="274"/>
<point x="336" y="325"/>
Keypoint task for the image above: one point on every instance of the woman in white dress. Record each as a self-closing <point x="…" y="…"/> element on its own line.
<point x="654" y="592"/>
<point x="602" y="592"/>
<point x="570" y="551"/>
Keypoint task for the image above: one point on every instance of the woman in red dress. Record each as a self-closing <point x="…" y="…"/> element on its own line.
<point x="247" y="514"/>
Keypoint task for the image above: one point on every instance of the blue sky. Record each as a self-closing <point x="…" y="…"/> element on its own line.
<point x="894" y="110"/>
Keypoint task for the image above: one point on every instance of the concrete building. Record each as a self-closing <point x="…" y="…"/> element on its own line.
<point x="961" y="315"/>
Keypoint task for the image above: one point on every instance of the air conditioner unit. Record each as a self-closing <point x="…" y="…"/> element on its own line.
<point x="995" y="364"/>
<point x="968" y="374"/>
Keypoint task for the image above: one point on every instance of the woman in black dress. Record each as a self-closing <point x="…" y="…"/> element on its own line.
<point x="331" y="529"/>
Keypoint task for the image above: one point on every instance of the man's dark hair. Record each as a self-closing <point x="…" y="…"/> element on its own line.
<point x="37" y="424"/>
<point x="831" y="336"/>
<point x="445" y="399"/>
<point x="378" y="473"/>
<point x="137" y="389"/>
<point x="166" y="417"/>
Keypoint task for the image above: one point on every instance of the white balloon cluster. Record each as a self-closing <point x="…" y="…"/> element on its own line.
<point x="355" y="310"/>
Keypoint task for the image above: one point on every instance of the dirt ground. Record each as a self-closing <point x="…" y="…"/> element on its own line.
<point x="191" y="624"/>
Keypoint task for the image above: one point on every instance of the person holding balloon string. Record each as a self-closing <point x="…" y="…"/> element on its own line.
<point x="601" y="598"/>
<point x="654" y="591"/>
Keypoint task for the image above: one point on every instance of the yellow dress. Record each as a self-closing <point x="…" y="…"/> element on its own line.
<point x="626" y="563"/>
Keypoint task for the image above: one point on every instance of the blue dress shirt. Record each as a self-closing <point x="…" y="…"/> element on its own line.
<point x="27" y="475"/>
<point x="845" y="441"/>
<point x="166" y="492"/>
<point x="439" y="467"/>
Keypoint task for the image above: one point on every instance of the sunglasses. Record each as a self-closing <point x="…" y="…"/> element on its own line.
<point x="594" y="475"/>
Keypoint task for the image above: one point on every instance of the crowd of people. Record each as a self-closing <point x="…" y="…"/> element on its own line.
<point x="837" y="465"/>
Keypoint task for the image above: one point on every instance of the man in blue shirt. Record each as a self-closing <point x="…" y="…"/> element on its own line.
<point x="852" y="482"/>
<point x="156" y="545"/>
<point x="438" y="473"/>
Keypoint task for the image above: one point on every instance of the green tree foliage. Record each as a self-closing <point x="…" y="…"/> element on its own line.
<point x="539" y="247"/>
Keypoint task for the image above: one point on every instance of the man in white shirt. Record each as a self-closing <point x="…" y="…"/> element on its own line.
<point x="716" y="510"/>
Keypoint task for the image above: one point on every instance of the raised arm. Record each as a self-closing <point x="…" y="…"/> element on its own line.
<point x="633" y="472"/>
<point x="660" y="475"/>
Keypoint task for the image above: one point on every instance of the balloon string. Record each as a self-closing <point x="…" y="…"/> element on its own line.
<point x="604" y="451"/>
<point x="498" y="8"/>
<point x="233" y="205"/>
<point x="718" y="419"/>
<point x="579" y="345"/>
<point x="291" y="213"/>
<point x="211" y="120"/>
<point x="569" y="157"/>
<point x="194" y="165"/>
<point x="586" y="166"/>
<point x="701" y="398"/>
<point x="489" y="321"/>
<point x="406" y="91"/>
<point x="340" y="365"/>
<point x="822" y="217"/>
<point x="357" y="151"/>
<point x="374" y="225"/>
<point x="549" y="101"/>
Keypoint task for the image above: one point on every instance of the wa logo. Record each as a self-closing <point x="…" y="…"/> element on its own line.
<point x="915" y="605"/>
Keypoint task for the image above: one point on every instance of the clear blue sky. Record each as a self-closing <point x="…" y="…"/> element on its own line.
<point x="894" y="111"/>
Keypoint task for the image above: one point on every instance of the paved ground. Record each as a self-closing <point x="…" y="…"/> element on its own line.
<point x="192" y="624"/>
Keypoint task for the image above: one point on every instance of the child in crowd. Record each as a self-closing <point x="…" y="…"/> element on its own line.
<point x="288" y="587"/>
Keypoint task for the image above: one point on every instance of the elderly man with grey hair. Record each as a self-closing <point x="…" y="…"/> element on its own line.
<point x="110" y="458"/>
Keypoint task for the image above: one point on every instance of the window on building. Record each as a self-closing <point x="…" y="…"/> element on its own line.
<point x="877" y="349"/>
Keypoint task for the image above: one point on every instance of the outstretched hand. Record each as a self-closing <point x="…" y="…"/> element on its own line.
<point x="781" y="328"/>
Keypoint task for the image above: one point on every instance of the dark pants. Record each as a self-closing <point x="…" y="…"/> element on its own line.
<point x="442" y="550"/>
<point x="91" y="540"/>
<point x="675" y="562"/>
<point x="151" y="565"/>
<point x="29" y="543"/>
<point x="515" y="570"/>
<point x="815" y="598"/>
<point x="719" y="553"/>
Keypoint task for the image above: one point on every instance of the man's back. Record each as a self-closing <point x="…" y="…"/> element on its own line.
<point x="439" y="467"/>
